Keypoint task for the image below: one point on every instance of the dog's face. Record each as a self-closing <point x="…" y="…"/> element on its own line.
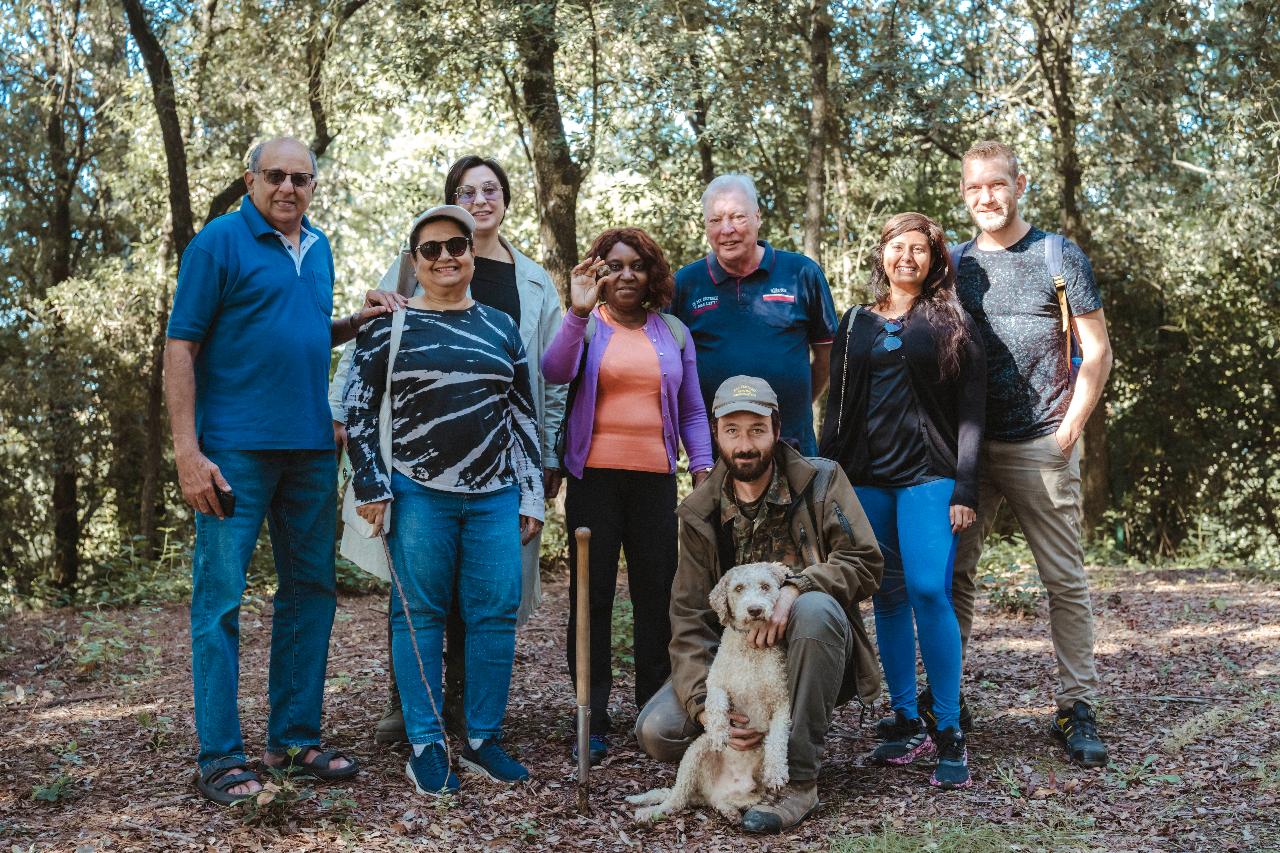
<point x="746" y="594"/>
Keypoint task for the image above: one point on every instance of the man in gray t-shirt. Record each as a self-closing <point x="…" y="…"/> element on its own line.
<point x="1012" y="299"/>
<point x="1035" y="415"/>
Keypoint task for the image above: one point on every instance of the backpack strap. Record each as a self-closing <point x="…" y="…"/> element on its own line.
<point x="957" y="252"/>
<point x="1053" y="244"/>
<point x="678" y="329"/>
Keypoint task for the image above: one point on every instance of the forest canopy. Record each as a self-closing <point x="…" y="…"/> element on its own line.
<point x="1149" y="129"/>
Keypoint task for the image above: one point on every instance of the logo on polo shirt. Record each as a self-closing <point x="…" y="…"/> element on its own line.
<point x="705" y="303"/>
<point x="778" y="294"/>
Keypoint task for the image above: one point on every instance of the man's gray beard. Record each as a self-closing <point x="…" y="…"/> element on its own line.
<point x="1001" y="222"/>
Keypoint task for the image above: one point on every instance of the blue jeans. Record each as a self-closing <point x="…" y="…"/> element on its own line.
<point x="296" y="491"/>
<point x="440" y="541"/>
<point x="913" y="528"/>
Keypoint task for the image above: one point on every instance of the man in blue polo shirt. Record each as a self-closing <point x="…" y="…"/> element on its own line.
<point x="754" y="309"/>
<point x="246" y="370"/>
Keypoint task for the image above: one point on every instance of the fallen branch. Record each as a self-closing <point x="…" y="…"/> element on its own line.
<point x="164" y="833"/>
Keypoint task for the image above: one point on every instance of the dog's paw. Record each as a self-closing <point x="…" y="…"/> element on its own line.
<point x="717" y="739"/>
<point x="775" y="778"/>
<point x="651" y="814"/>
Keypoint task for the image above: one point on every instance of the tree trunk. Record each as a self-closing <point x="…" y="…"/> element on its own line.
<point x="180" y="232"/>
<point x="66" y="518"/>
<point x="557" y="177"/>
<point x="693" y="17"/>
<point x="153" y="419"/>
<point x="166" y="104"/>
<point x="1055" y="24"/>
<point x="816" y="173"/>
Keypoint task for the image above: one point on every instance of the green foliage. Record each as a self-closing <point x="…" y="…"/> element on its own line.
<point x="1058" y="832"/>
<point x="624" y="644"/>
<point x="100" y="645"/>
<point x="276" y="804"/>
<point x="60" y="785"/>
<point x="1008" y="574"/>
<point x="1175" y="133"/>
<point x="1144" y="772"/>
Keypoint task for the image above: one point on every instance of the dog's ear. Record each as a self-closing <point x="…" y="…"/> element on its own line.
<point x="780" y="572"/>
<point x="719" y="601"/>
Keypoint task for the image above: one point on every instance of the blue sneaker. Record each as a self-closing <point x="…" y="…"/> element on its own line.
<point x="597" y="749"/>
<point x="430" y="773"/>
<point x="490" y="760"/>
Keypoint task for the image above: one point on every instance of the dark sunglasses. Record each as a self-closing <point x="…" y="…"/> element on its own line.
<point x="429" y="250"/>
<point x="891" y="339"/>
<point x="275" y="177"/>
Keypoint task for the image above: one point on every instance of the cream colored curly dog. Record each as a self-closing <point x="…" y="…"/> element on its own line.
<point x="752" y="682"/>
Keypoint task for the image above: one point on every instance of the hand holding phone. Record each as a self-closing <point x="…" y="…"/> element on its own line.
<point x="226" y="500"/>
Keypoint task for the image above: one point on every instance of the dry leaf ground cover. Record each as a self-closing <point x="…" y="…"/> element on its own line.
<point x="96" y="742"/>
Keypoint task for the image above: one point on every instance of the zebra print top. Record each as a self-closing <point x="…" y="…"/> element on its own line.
<point x="462" y="410"/>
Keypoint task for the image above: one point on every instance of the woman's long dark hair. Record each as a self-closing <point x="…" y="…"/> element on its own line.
<point x="938" y="294"/>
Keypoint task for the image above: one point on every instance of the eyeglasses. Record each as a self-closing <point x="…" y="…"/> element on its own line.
<point x="891" y="339"/>
<point x="275" y="177"/>
<point x="429" y="250"/>
<point x="466" y="194"/>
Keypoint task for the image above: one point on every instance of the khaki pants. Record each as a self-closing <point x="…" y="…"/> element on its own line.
<point x="820" y="674"/>
<point x="1043" y="490"/>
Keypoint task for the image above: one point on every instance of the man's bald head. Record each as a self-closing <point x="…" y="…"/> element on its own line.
<point x="255" y="155"/>
<point x="281" y="181"/>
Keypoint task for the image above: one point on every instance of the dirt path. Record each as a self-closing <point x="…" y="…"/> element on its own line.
<point x="97" y="742"/>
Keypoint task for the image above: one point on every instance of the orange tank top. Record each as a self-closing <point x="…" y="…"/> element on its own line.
<point x="627" y="433"/>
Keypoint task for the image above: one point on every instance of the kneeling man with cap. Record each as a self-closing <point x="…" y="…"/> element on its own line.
<point x="764" y="502"/>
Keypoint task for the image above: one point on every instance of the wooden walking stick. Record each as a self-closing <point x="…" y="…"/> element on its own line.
<point x="583" y="656"/>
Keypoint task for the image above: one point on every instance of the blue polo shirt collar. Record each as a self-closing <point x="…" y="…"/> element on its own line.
<point x="258" y="225"/>
<point x="719" y="274"/>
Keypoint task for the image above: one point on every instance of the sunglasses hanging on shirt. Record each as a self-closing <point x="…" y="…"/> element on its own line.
<point x="891" y="339"/>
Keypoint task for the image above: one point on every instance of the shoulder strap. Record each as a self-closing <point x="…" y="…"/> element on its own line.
<point x="678" y="329"/>
<point x="1053" y="244"/>
<point x="590" y="331"/>
<point x="384" y="411"/>
<point x="957" y="252"/>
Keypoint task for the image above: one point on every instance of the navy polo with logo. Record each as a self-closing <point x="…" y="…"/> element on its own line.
<point x="761" y="324"/>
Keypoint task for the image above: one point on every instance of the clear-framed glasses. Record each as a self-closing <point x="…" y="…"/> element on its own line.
<point x="891" y="339"/>
<point x="466" y="194"/>
<point x="429" y="250"/>
<point x="276" y="177"/>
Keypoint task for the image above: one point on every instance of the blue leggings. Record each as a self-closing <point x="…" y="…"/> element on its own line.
<point x="913" y="528"/>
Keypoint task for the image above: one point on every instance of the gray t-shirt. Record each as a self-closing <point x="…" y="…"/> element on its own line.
<point x="1010" y="294"/>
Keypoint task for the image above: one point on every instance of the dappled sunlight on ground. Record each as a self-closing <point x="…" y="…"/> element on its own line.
<point x="1189" y="667"/>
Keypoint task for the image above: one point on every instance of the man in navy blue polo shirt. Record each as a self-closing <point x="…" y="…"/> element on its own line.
<point x="753" y="309"/>
<point x="246" y="370"/>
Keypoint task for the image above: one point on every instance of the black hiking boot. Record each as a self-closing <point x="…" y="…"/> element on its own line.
<point x="1078" y="729"/>
<point x="907" y="741"/>
<point x="953" y="761"/>
<point x="924" y="704"/>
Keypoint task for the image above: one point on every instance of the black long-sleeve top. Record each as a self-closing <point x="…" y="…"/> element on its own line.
<point x="952" y="411"/>
<point x="462" y="412"/>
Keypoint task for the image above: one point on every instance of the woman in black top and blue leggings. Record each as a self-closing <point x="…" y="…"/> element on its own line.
<point x="904" y="419"/>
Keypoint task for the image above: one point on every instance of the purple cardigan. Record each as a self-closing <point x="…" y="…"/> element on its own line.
<point x="681" y="397"/>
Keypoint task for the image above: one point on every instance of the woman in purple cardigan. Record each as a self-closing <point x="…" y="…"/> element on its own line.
<point x="634" y="391"/>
